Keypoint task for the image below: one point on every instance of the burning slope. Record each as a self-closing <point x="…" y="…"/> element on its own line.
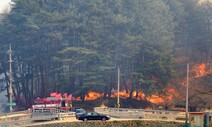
<point x="139" y="95"/>
<point x="200" y="70"/>
<point x="170" y="92"/>
<point x="93" y="96"/>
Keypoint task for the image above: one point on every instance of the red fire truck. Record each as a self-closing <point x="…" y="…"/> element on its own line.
<point x="50" y="107"/>
<point x="52" y="102"/>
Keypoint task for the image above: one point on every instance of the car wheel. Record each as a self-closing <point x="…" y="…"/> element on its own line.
<point x="103" y="119"/>
<point x="85" y="119"/>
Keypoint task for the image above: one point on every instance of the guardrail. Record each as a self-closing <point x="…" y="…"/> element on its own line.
<point x="45" y="110"/>
<point x="14" y="116"/>
<point x="67" y="114"/>
<point x="141" y="113"/>
<point x="22" y="121"/>
<point x="52" y="113"/>
<point x="13" y="113"/>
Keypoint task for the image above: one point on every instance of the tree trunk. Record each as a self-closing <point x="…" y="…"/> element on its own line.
<point x="131" y="91"/>
<point x="125" y="86"/>
<point x="105" y="91"/>
<point x="32" y="85"/>
<point x="43" y="86"/>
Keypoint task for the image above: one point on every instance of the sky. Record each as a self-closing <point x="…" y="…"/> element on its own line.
<point x="4" y="6"/>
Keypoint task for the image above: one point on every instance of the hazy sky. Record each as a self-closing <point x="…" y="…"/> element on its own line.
<point x="4" y="6"/>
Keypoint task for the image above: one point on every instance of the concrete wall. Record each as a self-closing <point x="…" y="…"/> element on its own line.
<point x="196" y="120"/>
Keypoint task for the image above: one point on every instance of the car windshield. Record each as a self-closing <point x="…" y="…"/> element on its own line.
<point x="80" y="111"/>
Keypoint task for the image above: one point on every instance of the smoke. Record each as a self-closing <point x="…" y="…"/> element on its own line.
<point x="3" y="101"/>
<point x="5" y="7"/>
<point x="203" y="1"/>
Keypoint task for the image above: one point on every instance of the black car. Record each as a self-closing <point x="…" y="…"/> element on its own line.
<point x="93" y="116"/>
<point x="79" y="112"/>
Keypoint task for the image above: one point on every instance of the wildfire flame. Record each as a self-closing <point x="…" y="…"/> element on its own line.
<point x="139" y="95"/>
<point x="200" y="70"/>
<point x="171" y="93"/>
<point x="103" y="105"/>
<point x="93" y="96"/>
<point x="154" y="98"/>
<point x="76" y="99"/>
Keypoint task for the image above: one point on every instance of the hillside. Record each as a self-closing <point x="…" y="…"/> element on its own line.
<point x="73" y="47"/>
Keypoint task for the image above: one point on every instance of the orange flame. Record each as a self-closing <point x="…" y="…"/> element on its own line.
<point x="148" y="108"/>
<point x="155" y="98"/>
<point x="140" y="95"/>
<point x="103" y="105"/>
<point x="200" y="70"/>
<point x="76" y="99"/>
<point x="93" y="95"/>
<point x="123" y="94"/>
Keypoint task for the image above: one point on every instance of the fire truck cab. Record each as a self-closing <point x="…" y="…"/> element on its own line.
<point x="51" y="107"/>
<point x="52" y="102"/>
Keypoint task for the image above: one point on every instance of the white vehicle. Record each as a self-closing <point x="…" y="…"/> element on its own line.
<point x="51" y="108"/>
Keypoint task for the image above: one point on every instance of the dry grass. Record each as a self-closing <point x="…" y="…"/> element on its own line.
<point x="114" y="124"/>
<point x="210" y="125"/>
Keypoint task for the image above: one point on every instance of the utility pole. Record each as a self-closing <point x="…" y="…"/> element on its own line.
<point x="118" y="102"/>
<point x="10" y="88"/>
<point x="187" y="83"/>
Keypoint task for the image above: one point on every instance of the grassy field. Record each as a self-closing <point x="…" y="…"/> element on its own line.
<point x="114" y="124"/>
